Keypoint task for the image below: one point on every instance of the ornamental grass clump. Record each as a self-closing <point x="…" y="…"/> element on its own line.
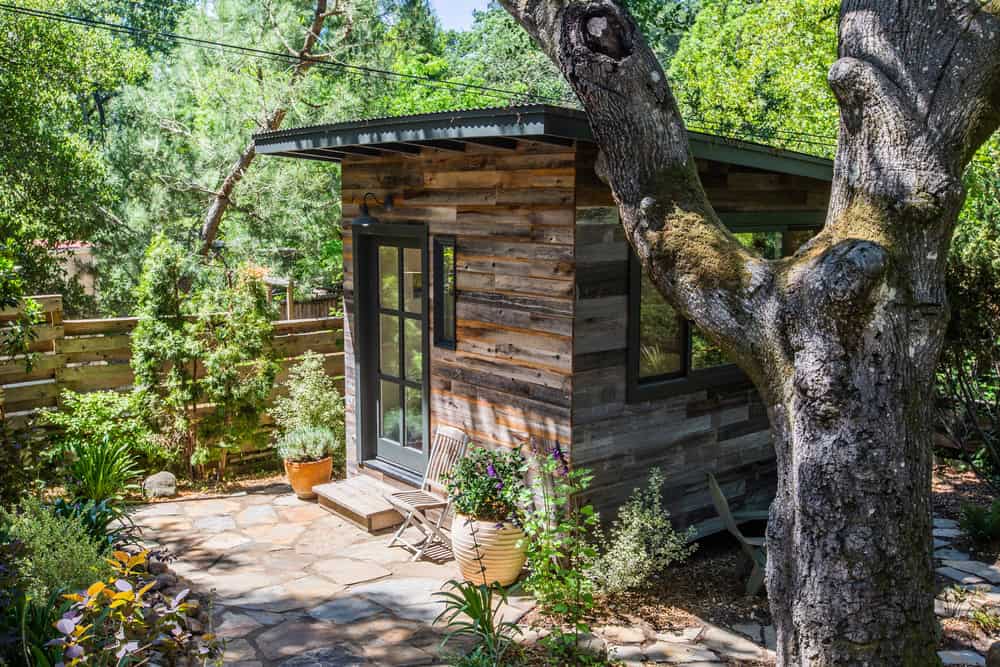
<point x="486" y="485"/>
<point x="306" y="444"/>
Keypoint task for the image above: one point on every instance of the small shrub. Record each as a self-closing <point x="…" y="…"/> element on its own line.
<point x="106" y="522"/>
<point x="103" y="470"/>
<point x="473" y="611"/>
<point x="26" y="463"/>
<point x="119" y="621"/>
<point x="982" y="524"/>
<point x="486" y="484"/>
<point x="641" y="542"/>
<point x="59" y="553"/>
<point x="312" y="400"/>
<point x="91" y="418"/>
<point x="308" y="443"/>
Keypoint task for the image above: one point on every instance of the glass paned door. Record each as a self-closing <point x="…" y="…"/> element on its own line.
<point x="400" y="366"/>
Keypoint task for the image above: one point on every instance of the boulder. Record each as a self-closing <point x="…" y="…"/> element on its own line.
<point x="161" y="485"/>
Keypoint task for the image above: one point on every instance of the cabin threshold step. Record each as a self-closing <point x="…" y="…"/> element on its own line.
<point x="361" y="500"/>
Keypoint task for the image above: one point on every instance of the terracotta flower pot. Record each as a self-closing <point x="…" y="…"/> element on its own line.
<point x="487" y="551"/>
<point x="304" y="475"/>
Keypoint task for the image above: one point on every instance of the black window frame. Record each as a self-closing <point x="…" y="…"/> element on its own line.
<point x="686" y="380"/>
<point x="440" y="338"/>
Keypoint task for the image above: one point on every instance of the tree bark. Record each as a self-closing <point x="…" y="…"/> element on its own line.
<point x="843" y="338"/>
<point x="222" y="199"/>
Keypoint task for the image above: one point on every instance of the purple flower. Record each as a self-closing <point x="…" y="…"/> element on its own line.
<point x="65" y="626"/>
<point x="490" y="470"/>
<point x="73" y="652"/>
<point x="499" y="485"/>
<point x="123" y="585"/>
<point x="130" y="647"/>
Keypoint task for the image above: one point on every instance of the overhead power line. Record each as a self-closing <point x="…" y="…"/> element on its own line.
<point x="490" y="91"/>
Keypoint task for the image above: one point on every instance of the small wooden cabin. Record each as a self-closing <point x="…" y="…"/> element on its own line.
<point x="490" y="287"/>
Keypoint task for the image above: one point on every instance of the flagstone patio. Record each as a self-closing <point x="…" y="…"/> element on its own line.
<point x="295" y="585"/>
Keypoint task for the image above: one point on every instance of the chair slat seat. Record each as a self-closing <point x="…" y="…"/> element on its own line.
<point x="446" y="450"/>
<point x="416" y="500"/>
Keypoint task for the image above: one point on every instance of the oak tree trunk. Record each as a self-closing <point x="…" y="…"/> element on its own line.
<point x="841" y="339"/>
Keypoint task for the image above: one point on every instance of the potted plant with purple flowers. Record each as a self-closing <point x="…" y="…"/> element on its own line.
<point x="484" y="488"/>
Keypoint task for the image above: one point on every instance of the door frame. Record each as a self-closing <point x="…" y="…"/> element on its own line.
<point x="365" y="237"/>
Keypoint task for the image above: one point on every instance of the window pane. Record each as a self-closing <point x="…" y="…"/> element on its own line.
<point x="768" y="244"/>
<point x="390" y="411"/>
<point x="414" y="418"/>
<point x="413" y="349"/>
<point x="413" y="281"/>
<point x="660" y="330"/>
<point x="388" y="276"/>
<point x="389" y="348"/>
<point x="704" y="354"/>
<point x="447" y="295"/>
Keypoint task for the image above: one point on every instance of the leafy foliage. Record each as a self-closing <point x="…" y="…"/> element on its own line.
<point x="641" y="543"/>
<point x="557" y="526"/>
<point x="53" y="181"/>
<point x="86" y="419"/>
<point x="106" y="521"/>
<point x="309" y="443"/>
<point x="103" y="470"/>
<point x="486" y="484"/>
<point x="26" y="463"/>
<point x="982" y="524"/>
<point x="58" y="551"/>
<point x="120" y="621"/>
<point x="473" y="611"/>
<point x="312" y="398"/>
<point x="758" y="69"/>
<point x="197" y="343"/>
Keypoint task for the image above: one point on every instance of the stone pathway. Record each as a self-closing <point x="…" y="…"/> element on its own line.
<point x="295" y="586"/>
<point x="975" y="586"/>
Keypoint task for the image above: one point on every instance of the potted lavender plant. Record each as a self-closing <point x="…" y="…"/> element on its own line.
<point x="484" y="488"/>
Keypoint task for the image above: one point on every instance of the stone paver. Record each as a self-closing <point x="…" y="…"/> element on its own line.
<point x="298" y="587"/>
<point x="990" y="573"/>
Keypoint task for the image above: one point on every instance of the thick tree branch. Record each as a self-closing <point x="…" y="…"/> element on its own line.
<point x="272" y="121"/>
<point x="647" y="162"/>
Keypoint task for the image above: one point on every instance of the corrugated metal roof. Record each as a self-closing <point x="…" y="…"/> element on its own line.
<point x="335" y="141"/>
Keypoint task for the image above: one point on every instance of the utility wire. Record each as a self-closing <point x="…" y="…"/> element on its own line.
<point x="496" y="93"/>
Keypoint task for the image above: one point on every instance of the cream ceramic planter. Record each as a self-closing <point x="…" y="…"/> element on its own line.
<point x="487" y="551"/>
<point x="304" y="475"/>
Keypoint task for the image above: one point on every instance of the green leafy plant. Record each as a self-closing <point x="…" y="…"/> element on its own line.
<point x="27" y="463"/>
<point x="58" y="552"/>
<point x="473" y="611"/>
<point x="84" y="419"/>
<point x="307" y="443"/>
<point x="199" y="343"/>
<point x="120" y="621"/>
<point x="486" y="484"/>
<point x="106" y="521"/>
<point x="557" y="527"/>
<point x="312" y="398"/>
<point x="641" y="543"/>
<point x="982" y="524"/>
<point x="103" y="470"/>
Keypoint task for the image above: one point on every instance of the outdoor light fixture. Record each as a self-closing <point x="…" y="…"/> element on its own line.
<point x="366" y="218"/>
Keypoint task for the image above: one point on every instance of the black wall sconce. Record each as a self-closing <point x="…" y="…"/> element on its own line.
<point x="366" y="217"/>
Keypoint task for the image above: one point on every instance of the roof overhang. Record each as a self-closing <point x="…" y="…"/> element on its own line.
<point x="502" y="128"/>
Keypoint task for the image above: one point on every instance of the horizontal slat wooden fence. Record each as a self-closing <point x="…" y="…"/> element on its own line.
<point x="94" y="355"/>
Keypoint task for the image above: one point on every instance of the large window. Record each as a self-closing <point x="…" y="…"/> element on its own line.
<point x="444" y="292"/>
<point x="667" y="354"/>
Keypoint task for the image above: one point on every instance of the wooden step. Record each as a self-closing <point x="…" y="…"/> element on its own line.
<point x="361" y="500"/>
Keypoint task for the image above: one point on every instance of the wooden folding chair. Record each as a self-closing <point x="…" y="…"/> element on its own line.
<point x="753" y="547"/>
<point x="446" y="450"/>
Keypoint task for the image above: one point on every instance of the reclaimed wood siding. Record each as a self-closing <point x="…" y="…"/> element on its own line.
<point x="512" y="216"/>
<point x="724" y="430"/>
